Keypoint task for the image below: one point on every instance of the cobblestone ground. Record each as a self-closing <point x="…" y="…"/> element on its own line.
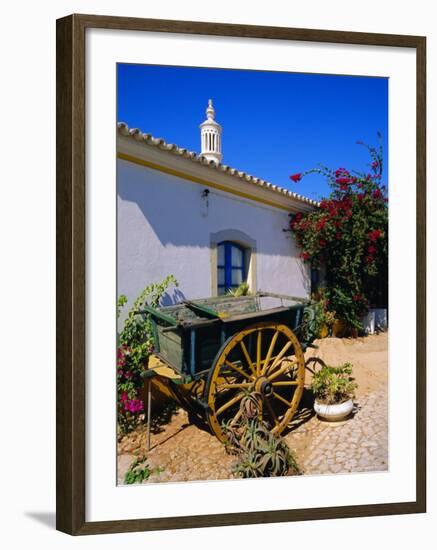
<point x="359" y="444"/>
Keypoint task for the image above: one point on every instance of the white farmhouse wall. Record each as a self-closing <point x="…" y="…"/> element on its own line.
<point x="165" y="228"/>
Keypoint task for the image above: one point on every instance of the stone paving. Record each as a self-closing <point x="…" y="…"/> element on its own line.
<point x="359" y="444"/>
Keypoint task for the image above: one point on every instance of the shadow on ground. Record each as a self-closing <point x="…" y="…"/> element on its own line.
<point x="45" y="518"/>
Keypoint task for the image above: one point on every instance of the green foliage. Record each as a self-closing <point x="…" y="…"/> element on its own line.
<point x="260" y="453"/>
<point x="241" y="290"/>
<point x="349" y="236"/>
<point x="332" y="385"/>
<point x="139" y="471"/>
<point x="121" y="302"/>
<point x="135" y="344"/>
<point x="316" y="316"/>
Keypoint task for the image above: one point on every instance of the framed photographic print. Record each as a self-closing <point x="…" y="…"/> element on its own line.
<point x="240" y="274"/>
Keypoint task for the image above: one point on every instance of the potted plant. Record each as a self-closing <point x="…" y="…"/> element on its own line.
<point x="330" y="321"/>
<point x="334" y="389"/>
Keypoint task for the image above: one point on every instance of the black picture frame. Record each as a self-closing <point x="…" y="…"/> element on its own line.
<point x="71" y="253"/>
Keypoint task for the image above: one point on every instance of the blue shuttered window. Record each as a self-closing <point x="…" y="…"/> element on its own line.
<point x="230" y="266"/>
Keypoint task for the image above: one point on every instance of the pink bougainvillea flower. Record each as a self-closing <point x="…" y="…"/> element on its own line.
<point x="296" y="177"/>
<point x="133" y="405"/>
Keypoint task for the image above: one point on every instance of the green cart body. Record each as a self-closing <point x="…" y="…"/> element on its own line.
<point x="214" y="351"/>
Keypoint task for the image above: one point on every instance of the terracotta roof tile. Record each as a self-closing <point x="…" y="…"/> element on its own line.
<point x="161" y="144"/>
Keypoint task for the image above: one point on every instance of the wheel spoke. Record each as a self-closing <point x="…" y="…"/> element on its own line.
<point x="281" y="399"/>
<point x="288" y="383"/>
<point x="236" y="369"/>
<point x="281" y="354"/>
<point x="270" y="352"/>
<point x="281" y="371"/>
<point x="247" y="356"/>
<point x="236" y="417"/>
<point x="258" y="353"/>
<point x="231" y="402"/>
<point x="232" y="386"/>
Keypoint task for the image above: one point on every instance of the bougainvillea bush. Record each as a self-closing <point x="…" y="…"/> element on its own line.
<point x="135" y="344"/>
<point x="348" y="236"/>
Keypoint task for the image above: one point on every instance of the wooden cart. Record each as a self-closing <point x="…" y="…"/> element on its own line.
<point x="215" y="351"/>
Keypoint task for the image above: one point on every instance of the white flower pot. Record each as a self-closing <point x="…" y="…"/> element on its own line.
<point x="334" y="413"/>
<point x="368" y="322"/>
<point x="381" y="321"/>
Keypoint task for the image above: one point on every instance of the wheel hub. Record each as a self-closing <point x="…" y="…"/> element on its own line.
<point x="264" y="386"/>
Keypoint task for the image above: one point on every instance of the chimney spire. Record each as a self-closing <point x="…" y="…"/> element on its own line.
<point x="211" y="136"/>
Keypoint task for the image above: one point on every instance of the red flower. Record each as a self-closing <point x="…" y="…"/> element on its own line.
<point x="322" y="242"/>
<point x="341" y="172"/>
<point x="304" y="255"/>
<point x="357" y="297"/>
<point x="320" y="224"/>
<point x="375" y="164"/>
<point x="296" y="177"/>
<point x="371" y="249"/>
<point x="377" y="194"/>
<point x="375" y="234"/>
<point x="338" y="235"/>
<point x="360" y="196"/>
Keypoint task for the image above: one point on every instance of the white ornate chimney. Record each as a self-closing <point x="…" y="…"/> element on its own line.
<point x="211" y="136"/>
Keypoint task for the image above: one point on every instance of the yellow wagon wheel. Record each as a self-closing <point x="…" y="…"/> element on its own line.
<point x="264" y="360"/>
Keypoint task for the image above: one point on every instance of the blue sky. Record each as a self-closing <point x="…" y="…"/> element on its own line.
<point x="274" y="124"/>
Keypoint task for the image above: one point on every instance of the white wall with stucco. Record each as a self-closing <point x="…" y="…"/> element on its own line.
<point x="165" y="227"/>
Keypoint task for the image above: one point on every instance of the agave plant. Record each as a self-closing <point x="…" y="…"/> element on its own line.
<point x="248" y="467"/>
<point x="260" y="452"/>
